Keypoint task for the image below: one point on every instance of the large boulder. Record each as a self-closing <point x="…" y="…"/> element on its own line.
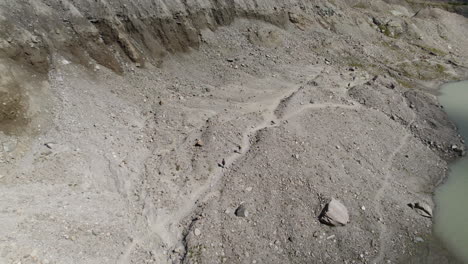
<point x="334" y="214"/>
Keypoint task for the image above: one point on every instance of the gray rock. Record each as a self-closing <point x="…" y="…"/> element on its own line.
<point x="241" y="211"/>
<point x="334" y="214"/>
<point x="458" y="150"/>
<point x="50" y="145"/>
<point x="199" y="143"/>
<point x="9" y="146"/>
<point x="423" y="209"/>
<point x="377" y="21"/>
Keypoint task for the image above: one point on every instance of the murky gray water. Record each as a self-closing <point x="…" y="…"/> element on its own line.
<point x="451" y="218"/>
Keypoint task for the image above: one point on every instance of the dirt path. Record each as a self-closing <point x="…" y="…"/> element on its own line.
<point x="205" y="191"/>
<point x="384" y="235"/>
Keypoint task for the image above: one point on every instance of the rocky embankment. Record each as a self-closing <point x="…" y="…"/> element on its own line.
<point x="219" y="131"/>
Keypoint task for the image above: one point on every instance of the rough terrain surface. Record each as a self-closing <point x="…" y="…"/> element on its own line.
<point x="216" y="131"/>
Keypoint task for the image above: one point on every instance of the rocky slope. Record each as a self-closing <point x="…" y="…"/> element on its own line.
<point x="132" y="132"/>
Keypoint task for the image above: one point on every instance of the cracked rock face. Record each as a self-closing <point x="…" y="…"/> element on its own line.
<point x="335" y="214"/>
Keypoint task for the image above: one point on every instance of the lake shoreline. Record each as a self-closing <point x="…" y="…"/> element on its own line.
<point x="447" y="192"/>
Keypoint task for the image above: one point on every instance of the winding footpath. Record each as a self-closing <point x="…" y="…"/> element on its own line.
<point x="384" y="235"/>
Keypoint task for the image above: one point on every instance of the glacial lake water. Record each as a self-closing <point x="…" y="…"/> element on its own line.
<point x="451" y="215"/>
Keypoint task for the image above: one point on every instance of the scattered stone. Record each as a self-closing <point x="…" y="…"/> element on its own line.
<point x="199" y="143"/>
<point x="418" y="240"/>
<point x="422" y="208"/>
<point x="222" y="164"/>
<point x="179" y="249"/>
<point x="9" y="146"/>
<point x="241" y="211"/>
<point x="50" y="145"/>
<point x="377" y="21"/>
<point x="230" y="59"/>
<point x="363" y="208"/>
<point x="334" y="214"/>
<point x="197" y="232"/>
<point x="458" y="150"/>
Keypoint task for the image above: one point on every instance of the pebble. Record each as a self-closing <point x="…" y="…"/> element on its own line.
<point x="179" y="249"/>
<point x="241" y="211"/>
<point x="49" y="145"/>
<point x="423" y="209"/>
<point x="199" y="143"/>
<point x="197" y="232"/>
<point x="335" y="214"/>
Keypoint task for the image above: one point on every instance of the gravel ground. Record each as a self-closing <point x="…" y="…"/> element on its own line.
<point x="223" y="142"/>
